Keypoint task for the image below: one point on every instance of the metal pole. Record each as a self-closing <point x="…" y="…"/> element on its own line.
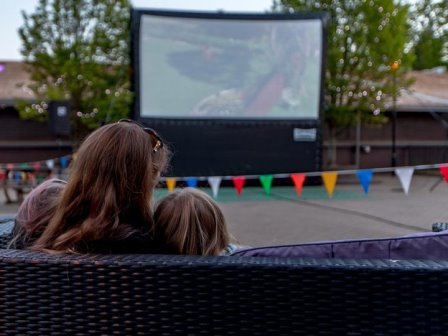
<point x="358" y="140"/>
<point x="394" y="123"/>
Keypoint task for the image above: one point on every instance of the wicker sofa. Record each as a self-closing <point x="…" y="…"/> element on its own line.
<point x="185" y="295"/>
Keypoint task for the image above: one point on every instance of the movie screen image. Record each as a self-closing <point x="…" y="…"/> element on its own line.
<point x="229" y="69"/>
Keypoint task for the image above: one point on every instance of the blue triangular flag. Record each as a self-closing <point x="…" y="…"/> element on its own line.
<point x="63" y="161"/>
<point x="365" y="177"/>
<point x="192" y="182"/>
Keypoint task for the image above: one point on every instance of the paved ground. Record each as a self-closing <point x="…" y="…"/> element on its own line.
<point x="256" y="219"/>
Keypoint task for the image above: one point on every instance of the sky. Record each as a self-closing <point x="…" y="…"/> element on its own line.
<point x="11" y="18"/>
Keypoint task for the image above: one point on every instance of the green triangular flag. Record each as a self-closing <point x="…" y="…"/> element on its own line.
<point x="266" y="182"/>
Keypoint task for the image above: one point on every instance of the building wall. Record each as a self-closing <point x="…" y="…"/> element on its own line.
<point x="420" y="139"/>
<point x="26" y="141"/>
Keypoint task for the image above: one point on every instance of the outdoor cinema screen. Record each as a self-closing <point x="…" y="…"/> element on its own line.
<point x="245" y="67"/>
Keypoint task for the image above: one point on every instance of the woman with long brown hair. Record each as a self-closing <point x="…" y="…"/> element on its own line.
<point x="106" y="206"/>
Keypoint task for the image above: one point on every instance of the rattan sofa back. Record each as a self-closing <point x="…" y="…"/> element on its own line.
<point x="186" y="295"/>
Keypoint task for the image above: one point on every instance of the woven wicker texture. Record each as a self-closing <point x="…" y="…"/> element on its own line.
<point x="181" y="295"/>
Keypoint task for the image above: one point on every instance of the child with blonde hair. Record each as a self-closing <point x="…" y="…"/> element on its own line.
<point x="191" y="223"/>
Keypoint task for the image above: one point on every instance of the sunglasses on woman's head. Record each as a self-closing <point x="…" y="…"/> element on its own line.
<point x="157" y="140"/>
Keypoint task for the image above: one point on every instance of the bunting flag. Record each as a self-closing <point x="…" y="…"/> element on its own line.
<point x="444" y="172"/>
<point x="365" y="178"/>
<point x="192" y="182"/>
<point x="32" y="172"/>
<point x="63" y="161"/>
<point x="298" y="180"/>
<point x="215" y="182"/>
<point x="405" y="176"/>
<point x="330" y="179"/>
<point x="50" y="164"/>
<point x="238" y="182"/>
<point x="171" y="183"/>
<point x="266" y="182"/>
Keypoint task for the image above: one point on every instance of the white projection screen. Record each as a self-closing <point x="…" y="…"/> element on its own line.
<point x="243" y="67"/>
<point x="231" y="93"/>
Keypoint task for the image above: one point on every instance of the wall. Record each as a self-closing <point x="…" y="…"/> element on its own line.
<point x="25" y="140"/>
<point x="420" y="139"/>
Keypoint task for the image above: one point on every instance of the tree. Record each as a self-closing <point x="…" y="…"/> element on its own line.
<point x="365" y="38"/>
<point x="78" y="50"/>
<point x="428" y="50"/>
<point x="431" y="33"/>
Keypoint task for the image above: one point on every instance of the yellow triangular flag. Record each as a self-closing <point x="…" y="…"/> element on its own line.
<point x="330" y="181"/>
<point x="170" y="183"/>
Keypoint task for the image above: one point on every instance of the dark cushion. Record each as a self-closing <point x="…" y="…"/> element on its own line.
<point x="427" y="245"/>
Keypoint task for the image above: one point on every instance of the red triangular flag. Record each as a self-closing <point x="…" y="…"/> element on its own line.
<point x="36" y="165"/>
<point x="298" y="180"/>
<point x="238" y="182"/>
<point x="444" y="172"/>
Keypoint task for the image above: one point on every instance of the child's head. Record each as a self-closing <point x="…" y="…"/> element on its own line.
<point x="35" y="212"/>
<point x="190" y="222"/>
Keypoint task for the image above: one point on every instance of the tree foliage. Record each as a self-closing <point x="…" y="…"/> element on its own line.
<point x="78" y="51"/>
<point x="430" y="33"/>
<point x="366" y="45"/>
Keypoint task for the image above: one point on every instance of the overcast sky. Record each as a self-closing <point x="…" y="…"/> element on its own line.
<point x="11" y="18"/>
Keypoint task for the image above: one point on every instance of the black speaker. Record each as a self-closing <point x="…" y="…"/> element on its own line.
<point x="59" y="117"/>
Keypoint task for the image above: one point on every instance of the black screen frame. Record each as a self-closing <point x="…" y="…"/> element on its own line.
<point x="245" y="123"/>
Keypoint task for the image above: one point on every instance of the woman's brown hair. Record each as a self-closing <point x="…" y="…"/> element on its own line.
<point x="191" y="223"/>
<point x="109" y="193"/>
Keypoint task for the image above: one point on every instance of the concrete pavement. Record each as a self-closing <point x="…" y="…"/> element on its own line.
<point x="256" y="219"/>
<point x="385" y="212"/>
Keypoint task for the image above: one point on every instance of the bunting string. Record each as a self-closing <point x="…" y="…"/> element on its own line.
<point x="32" y="173"/>
<point x="329" y="178"/>
<point x="319" y="173"/>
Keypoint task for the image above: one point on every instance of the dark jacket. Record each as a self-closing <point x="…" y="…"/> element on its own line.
<point x="137" y="243"/>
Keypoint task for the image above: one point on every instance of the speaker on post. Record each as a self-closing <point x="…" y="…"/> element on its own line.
<point x="59" y="117"/>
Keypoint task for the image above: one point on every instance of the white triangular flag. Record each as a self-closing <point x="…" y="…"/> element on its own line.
<point x="215" y="182"/>
<point x="50" y="164"/>
<point x="405" y="176"/>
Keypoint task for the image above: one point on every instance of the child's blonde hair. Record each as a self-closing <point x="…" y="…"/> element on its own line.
<point x="191" y="223"/>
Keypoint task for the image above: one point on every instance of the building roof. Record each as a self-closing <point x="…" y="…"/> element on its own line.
<point x="13" y="83"/>
<point x="429" y="92"/>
